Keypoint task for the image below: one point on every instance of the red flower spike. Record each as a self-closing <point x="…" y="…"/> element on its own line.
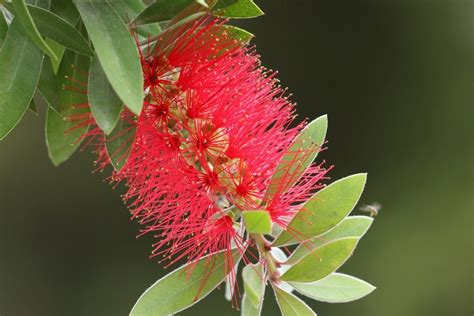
<point x="212" y="131"/>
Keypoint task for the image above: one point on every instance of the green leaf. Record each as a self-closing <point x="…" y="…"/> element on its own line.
<point x="179" y="290"/>
<point x="290" y="305"/>
<point x="59" y="30"/>
<point x="129" y="9"/>
<point x="161" y="10"/>
<point x="62" y="136"/>
<point x="22" y="13"/>
<point x="276" y="230"/>
<point x="254" y="283"/>
<point x="59" y="51"/>
<point x="321" y="262"/>
<point x="66" y="10"/>
<point x="238" y="33"/>
<point x="104" y="102"/>
<point x="257" y="222"/>
<point x="20" y="67"/>
<point x="221" y="4"/>
<point x="72" y="80"/>
<point x="248" y="309"/>
<point x="172" y="26"/>
<point x="119" y="143"/>
<point x="116" y="51"/>
<point x="335" y="288"/>
<point x="352" y="226"/>
<point x="299" y="156"/>
<point x="324" y="210"/>
<point x="241" y="9"/>
<point x="48" y="84"/>
<point x="198" y="6"/>
<point x="3" y="28"/>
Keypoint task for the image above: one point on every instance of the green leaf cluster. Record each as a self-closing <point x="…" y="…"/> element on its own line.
<point x="64" y="54"/>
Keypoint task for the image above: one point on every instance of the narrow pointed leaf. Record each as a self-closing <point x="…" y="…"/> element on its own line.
<point x="104" y="102"/>
<point x="290" y="305"/>
<point x="48" y="84"/>
<point x="241" y="9"/>
<point x="72" y="80"/>
<point x="198" y="6"/>
<point x="352" y="226"/>
<point x="257" y="222"/>
<point x="187" y="20"/>
<point x="300" y="155"/>
<point x="116" y="51"/>
<point x="22" y="13"/>
<point x="59" y="51"/>
<point x="221" y="4"/>
<point x="248" y="309"/>
<point x="238" y="33"/>
<point x="59" y="30"/>
<point x="179" y="290"/>
<point x="335" y="288"/>
<point x="62" y="138"/>
<point x="20" y="67"/>
<point x="161" y="10"/>
<point x="119" y="143"/>
<point x="254" y="283"/>
<point x="321" y="262"/>
<point x="324" y="210"/>
<point x="63" y="132"/>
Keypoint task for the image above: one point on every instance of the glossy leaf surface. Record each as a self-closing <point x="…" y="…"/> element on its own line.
<point x="20" y="67"/>
<point x="116" y="50"/>
<point x="104" y="102"/>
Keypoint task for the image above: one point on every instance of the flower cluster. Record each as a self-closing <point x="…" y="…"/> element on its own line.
<point x="214" y="126"/>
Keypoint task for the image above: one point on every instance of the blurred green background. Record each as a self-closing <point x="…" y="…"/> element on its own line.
<point x="395" y="77"/>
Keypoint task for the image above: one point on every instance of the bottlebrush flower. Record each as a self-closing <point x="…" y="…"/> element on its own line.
<point x="214" y="126"/>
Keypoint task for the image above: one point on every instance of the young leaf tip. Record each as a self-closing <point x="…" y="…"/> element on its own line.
<point x="323" y="117"/>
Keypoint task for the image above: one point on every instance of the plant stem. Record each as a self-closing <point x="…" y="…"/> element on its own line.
<point x="265" y="252"/>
